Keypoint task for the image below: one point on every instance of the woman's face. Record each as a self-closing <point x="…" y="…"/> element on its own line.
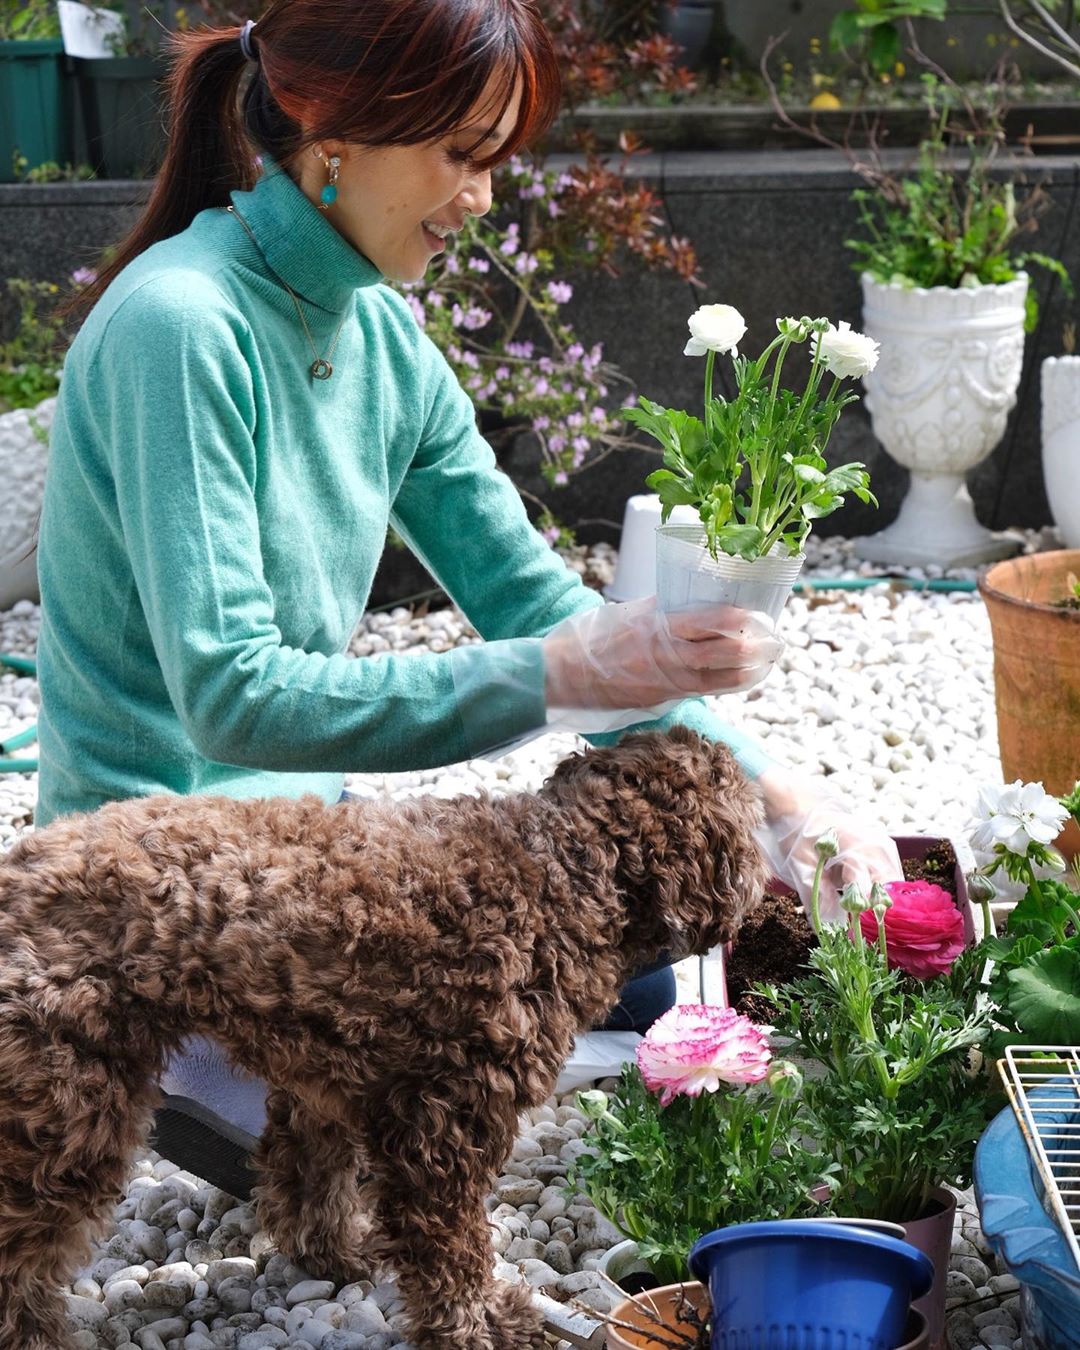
<point x="388" y="196"/>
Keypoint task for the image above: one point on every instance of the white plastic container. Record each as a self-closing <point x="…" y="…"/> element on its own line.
<point x="635" y="572"/>
<point x="688" y="575"/>
<point x="1061" y="443"/>
<point x="88" y="32"/>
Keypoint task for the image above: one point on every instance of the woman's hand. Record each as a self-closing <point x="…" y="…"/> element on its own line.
<point x="798" y="811"/>
<point x="635" y="657"/>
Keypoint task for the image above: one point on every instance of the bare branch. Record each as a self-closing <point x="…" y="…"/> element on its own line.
<point x="1032" y="41"/>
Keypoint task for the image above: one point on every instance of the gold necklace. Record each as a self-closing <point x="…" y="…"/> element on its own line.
<point x="321" y="369"/>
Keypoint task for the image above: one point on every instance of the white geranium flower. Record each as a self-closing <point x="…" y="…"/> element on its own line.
<point x="844" y="352"/>
<point x="1016" y="816"/>
<point x="715" y="328"/>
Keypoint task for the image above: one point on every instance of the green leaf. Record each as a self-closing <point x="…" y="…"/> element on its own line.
<point x="1033" y="916"/>
<point x="847" y="477"/>
<point x="1045" y="996"/>
<point x="884" y="48"/>
<point x="740" y="541"/>
<point x="672" y="489"/>
<point x="844" y="30"/>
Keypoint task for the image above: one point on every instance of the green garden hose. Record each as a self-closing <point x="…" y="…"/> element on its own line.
<point x="22" y="665"/>
<point x="897" y="583"/>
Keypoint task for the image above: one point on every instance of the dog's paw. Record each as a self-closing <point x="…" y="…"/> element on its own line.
<point x="515" y="1324"/>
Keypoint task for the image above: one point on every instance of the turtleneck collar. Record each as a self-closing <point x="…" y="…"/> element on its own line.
<point x="300" y="244"/>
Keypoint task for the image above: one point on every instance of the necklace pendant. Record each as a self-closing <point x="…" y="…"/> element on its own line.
<point x="321" y="370"/>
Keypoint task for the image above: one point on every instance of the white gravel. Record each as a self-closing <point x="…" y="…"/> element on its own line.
<point x="886" y="692"/>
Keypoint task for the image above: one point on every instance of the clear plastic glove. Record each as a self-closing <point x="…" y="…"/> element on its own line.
<point x="798" y="811"/>
<point x="608" y="667"/>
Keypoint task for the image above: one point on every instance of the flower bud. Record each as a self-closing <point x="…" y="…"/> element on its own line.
<point x="880" y="900"/>
<point x="797" y="329"/>
<point x="828" y="846"/>
<point x="784" y="1079"/>
<point x="981" y="889"/>
<point x="1055" y="860"/>
<point x="592" y="1104"/>
<point x="852" y="900"/>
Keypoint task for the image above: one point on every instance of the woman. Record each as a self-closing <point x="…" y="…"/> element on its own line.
<point x="246" y="409"/>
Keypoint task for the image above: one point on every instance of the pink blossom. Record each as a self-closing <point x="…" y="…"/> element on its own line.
<point x="83" y="276"/>
<point x="693" y="1049"/>
<point x="924" y="931"/>
<point x="560" y="291"/>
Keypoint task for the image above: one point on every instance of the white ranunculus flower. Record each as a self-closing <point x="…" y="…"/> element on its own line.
<point x="715" y="328"/>
<point x="1016" y="816"/>
<point x="846" y="353"/>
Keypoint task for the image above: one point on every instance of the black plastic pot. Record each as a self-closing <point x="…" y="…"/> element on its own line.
<point x="121" y="112"/>
<point x="689" y="23"/>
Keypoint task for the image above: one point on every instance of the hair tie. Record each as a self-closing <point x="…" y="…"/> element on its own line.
<point x="245" y="41"/>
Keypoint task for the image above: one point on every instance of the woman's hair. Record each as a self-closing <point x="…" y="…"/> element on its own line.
<point x="369" y="72"/>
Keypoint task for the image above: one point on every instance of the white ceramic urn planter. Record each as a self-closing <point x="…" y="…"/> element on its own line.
<point x="939" y="400"/>
<point x="23" y="456"/>
<point x="1061" y="443"/>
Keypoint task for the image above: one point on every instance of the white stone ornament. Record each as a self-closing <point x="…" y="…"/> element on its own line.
<point x="939" y="400"/>
<point x="1061" y="443"/>
<point x="23" y="456"/>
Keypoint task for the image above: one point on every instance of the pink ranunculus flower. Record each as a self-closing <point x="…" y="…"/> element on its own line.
<point x="693" y="1049"/>
<point x="924" y="930"/>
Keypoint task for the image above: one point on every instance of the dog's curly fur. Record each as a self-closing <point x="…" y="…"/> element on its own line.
<point x="409" y="977"/>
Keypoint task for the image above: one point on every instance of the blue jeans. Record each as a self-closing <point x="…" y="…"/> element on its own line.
<point x="643" y="999"/>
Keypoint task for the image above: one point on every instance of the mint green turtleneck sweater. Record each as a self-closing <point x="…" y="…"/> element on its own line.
<point x="214" y="516"/>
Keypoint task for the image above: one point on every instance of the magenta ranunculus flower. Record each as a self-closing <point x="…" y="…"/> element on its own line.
<point x="693" y="1049"/>
<point x="924" y="930"/>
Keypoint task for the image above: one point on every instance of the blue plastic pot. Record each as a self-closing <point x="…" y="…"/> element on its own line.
<point x="1020" y="1230"/>
<point x="812" y="1285"/>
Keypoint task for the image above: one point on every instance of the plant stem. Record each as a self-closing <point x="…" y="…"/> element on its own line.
<point x="710" y="362"/>
<point x="815" y="900"/>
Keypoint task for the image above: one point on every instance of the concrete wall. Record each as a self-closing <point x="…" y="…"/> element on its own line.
<point x="769" y="228"/>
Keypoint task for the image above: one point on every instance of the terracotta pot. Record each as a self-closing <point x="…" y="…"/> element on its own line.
<point x="933" y="1236"/>
<point x="917" y="1331"/>
<point x="636" y="1312"/>
<point x="1037" y="672"/>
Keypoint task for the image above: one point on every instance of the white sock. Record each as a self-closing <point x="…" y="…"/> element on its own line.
<point x="202" y="1070"/>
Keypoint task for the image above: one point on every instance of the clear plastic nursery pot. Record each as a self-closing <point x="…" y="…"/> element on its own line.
<point x="837" y="1283"/>
<point x="687" y="574"/>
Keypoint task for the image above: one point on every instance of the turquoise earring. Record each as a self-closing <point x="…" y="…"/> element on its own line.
<point x="328" y="196"/>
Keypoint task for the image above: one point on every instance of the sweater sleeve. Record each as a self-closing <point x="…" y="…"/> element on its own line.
<point x="185" y="470"/>
<point x="482" y="548"/>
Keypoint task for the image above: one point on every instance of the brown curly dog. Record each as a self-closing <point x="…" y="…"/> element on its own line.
<point x="408" y="976"/>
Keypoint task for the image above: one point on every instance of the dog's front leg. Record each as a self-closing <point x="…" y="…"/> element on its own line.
<point x="308" y="1193"/>
<point x="433" y="1149"/>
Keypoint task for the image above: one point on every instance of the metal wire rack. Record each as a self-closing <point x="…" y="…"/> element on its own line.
<point x="1043" y="1085"/>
